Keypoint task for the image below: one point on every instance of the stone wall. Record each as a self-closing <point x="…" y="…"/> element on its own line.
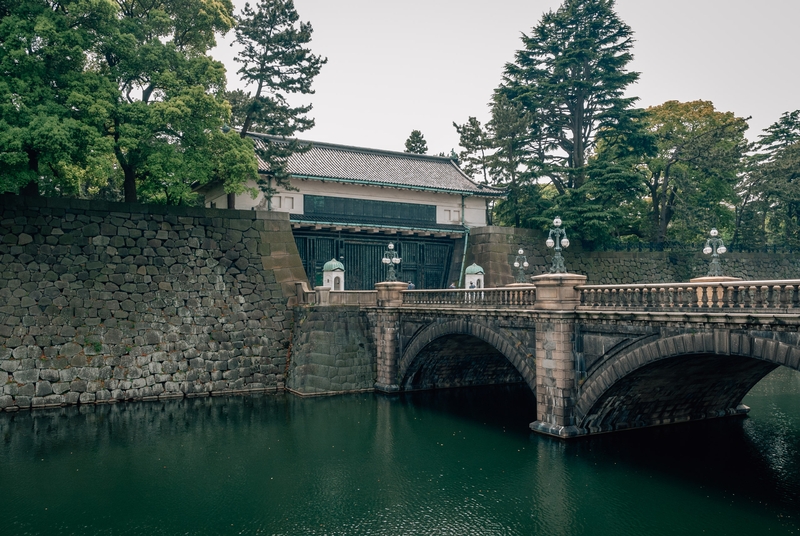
<point x="101" y="302"/>
<point x="332" y="351"/>
<point x="494" y="248"/>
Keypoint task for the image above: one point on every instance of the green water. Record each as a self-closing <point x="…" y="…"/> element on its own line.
<point x="444" y="463"/>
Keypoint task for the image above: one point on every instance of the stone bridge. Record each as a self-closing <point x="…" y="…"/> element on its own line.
<point x="598" y="358"/>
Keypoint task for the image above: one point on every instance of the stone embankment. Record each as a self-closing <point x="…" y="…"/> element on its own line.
<point x="332" y="351"/>
<point x="102" y="302"/>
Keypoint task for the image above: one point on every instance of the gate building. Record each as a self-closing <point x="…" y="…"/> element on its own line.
<point x="348" y="203"/>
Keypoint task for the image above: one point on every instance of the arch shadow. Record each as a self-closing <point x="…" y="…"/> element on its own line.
<point x="451" y="336"/>
<point x="680" y="378"/>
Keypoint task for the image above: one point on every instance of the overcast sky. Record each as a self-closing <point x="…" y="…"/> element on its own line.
<point x="398" y="65"/>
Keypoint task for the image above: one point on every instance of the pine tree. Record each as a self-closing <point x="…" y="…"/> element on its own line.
<point x="473" y="138"/>
<point x="275" y="59"/>
<point x="571" y="76"/>
<point x="416" y="143"/>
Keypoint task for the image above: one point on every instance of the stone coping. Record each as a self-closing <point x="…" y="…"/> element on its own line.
<point x="138" y="208"/>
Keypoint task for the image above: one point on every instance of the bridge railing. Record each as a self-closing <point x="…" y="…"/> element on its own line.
<point x="353" y="297"/>
<point x="485" y="297"/>
<point x="727" y="295"/>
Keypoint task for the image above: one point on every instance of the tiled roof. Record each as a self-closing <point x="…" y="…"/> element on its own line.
<point x="327" y="161"/>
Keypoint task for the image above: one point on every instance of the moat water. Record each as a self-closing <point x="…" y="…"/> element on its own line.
<point x="440" y="463"/>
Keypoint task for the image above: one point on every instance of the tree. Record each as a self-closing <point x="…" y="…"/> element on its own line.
<point x="416" y="143"/>
<point x="570" y="78"/>
<point x="768" y="211"/>
<point x="274" y="59"/>
<point x="473" y="139"/>
<point x="609" y="205"/>
<point x="694" y="172"/>
<point x="166" y="124"/>
<point x="52" y="99"/>
<point x="508" y="132"/>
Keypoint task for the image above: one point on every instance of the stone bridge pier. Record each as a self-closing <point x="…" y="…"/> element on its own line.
<point x="387" y="327"/>
<point x="556" y="378"/>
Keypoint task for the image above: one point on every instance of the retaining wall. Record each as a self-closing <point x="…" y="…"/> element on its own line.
<point x="494" y="249"/>
<point x="101" y="302"/>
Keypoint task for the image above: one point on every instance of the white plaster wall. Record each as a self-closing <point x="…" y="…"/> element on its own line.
<point x="448" y="206"/>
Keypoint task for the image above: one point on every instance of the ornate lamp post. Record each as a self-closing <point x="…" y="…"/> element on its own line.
<point x="558" y="239"/>
<point x="715" y="247"/>
<point x="520" y="263"/>
<point x="390" y="259"/>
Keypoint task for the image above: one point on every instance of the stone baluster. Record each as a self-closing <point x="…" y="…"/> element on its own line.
<point x="781" y="290"/>
<point x="693" y="297"/>
<point x="727" y="294"/>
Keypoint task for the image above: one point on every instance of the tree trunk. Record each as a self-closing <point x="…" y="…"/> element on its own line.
<point x="129" y="186"/>
<point x="231" y="200"/>
<point x="32" y="188"/>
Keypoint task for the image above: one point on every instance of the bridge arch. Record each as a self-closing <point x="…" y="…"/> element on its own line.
<point x="507" y="347"/>
<point x="685" y="377"/>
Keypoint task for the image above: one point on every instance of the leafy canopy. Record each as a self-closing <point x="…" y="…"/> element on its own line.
<point x="53" y="98"/>
<point x="166" y="125"/>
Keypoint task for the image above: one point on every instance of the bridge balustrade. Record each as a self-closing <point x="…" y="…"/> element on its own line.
<point x="486" y="297"/>
<point x="749" y="295"/>
<point x="353" y="297"/>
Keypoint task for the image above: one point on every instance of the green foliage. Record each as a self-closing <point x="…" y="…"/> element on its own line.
<point x="570" y="78"/>
<point x="508" y="164"/>
<point x="691" y="180"/>
<point x="52" y="98"/>
<point x="100" y="94"/>
<point x="473" y="159"/>
<point x="769" y="195"/>
<point x="275" y="59"/>
<point x="416" y="143"/>
<point x="166" y="124"/>
<point x="559" y="99"/>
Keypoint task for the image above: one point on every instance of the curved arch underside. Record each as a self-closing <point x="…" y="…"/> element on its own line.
<point x="458" y="360"/>
<point x="677" y="389"/>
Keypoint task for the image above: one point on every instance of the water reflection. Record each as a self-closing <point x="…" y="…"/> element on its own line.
<point x="448" y="462"/>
